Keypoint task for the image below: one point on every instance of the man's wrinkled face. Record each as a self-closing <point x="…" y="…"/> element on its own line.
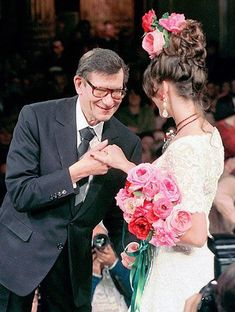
<point x="100" y="95"/>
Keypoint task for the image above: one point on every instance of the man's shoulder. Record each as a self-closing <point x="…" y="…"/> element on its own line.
<point x="54" y="104"/>
<point x="48" y="108"/>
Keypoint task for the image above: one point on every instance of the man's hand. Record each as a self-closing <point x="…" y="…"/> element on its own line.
<point x="97" y="267"/>
<point x="87" y="165"/>
<point x="106" y="256"/>
<point x="191" y="304"/>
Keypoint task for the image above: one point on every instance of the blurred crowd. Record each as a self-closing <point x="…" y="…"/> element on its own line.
<point x="32" y="76"/>
<point x="44" y="74"/>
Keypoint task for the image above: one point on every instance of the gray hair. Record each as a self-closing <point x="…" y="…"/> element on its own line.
<point x="103" y="61"/>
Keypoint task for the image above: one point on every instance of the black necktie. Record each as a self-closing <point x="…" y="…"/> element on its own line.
<point x="86" y="134"/>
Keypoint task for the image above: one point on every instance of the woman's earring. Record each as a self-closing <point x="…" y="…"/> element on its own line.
<point x="164" y="112"/>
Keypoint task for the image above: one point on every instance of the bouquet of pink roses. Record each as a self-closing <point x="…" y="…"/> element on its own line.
<point x="148" y="203"/>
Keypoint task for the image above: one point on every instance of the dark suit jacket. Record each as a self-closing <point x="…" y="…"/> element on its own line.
<point x="36" y="212"/>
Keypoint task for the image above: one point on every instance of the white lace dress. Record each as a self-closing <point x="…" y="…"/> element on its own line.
<point x="177" y="273"/>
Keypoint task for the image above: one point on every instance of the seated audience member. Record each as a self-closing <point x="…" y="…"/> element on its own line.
<point x="111" y="288"/>
<point x="215" y="296"/>
<point x="159" y="137"/>
<point x="222" y="215"/>
<point x="137" y="115"/>
<point x="56" y="56"/>
<point x="150" y="146"/>
<point x="211" y="94"/>
<point x="224" y="201"/>
<point x="108" y="38"/>
<point x="225" y="122"/>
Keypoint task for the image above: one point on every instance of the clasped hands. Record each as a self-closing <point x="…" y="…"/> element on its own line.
<point x="98" y="160"/>
<point x="88" y="165"/>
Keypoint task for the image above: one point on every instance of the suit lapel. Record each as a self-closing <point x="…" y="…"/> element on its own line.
<point x="66" y="132"/>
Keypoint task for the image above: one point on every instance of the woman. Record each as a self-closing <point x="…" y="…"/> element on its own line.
<point x="175" y="81"/>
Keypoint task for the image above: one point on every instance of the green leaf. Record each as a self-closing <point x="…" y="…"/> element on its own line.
<point x="165" y="15"/>
<point x="138" y="193"/>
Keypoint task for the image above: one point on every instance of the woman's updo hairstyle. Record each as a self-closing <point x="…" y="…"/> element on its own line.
<point x="181" y="62"/>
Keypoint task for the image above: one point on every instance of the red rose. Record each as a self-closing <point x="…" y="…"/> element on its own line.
<point x="140" y="227"/>
<point x="147" y="20"/>
<point x="151" y="217"/>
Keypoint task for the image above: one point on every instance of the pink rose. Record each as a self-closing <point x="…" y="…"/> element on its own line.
<point x="128" y="260"/>
<point x="132" y="247"/>
<point x="139" y="176"/>
<point x="147" y="20"/>
<point x="174" y="23"/>
<point x="162" y="207"/>
<point x="162" y="236"/>
<point x="153" y="42"/>
<point x="170" y="189"/>
<point x="143" y="209"/>
<point x="131" y="203"/>
<point x="179" y="221"/>
<point x="140" y="227"/>
<point x="151" y="216"/>
<point x="121" y="196"/>
<point x="151" y="189"/>
<point x="127" y="217"/>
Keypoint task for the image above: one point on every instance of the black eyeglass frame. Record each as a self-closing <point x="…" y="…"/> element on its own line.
<point x="107" y="91"/>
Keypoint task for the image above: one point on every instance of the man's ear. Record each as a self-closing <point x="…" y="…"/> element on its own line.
<point x="77" y="83"/>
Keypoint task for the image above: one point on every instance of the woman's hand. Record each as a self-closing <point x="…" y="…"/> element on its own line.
<point x="113" y="156"/>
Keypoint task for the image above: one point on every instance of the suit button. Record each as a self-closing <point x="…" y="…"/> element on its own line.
<point x="60" y="246"/>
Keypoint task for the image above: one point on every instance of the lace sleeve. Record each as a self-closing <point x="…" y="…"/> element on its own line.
<point x="187" y="164"/>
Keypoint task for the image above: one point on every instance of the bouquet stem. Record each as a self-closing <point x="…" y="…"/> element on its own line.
<point x="139" y="273"/>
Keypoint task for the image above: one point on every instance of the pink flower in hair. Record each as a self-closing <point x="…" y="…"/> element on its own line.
<point x="174" y="23"/>
<point x="153" y="42"/>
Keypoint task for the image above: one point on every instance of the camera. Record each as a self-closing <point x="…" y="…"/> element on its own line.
<point x="100" y="241"/>
<point x="223" y="247"/>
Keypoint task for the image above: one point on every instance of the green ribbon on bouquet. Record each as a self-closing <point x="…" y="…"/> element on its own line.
<point x="139" y="271"/>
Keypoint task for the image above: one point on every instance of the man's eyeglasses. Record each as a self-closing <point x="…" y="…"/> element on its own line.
<point x="116" y="94"/>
